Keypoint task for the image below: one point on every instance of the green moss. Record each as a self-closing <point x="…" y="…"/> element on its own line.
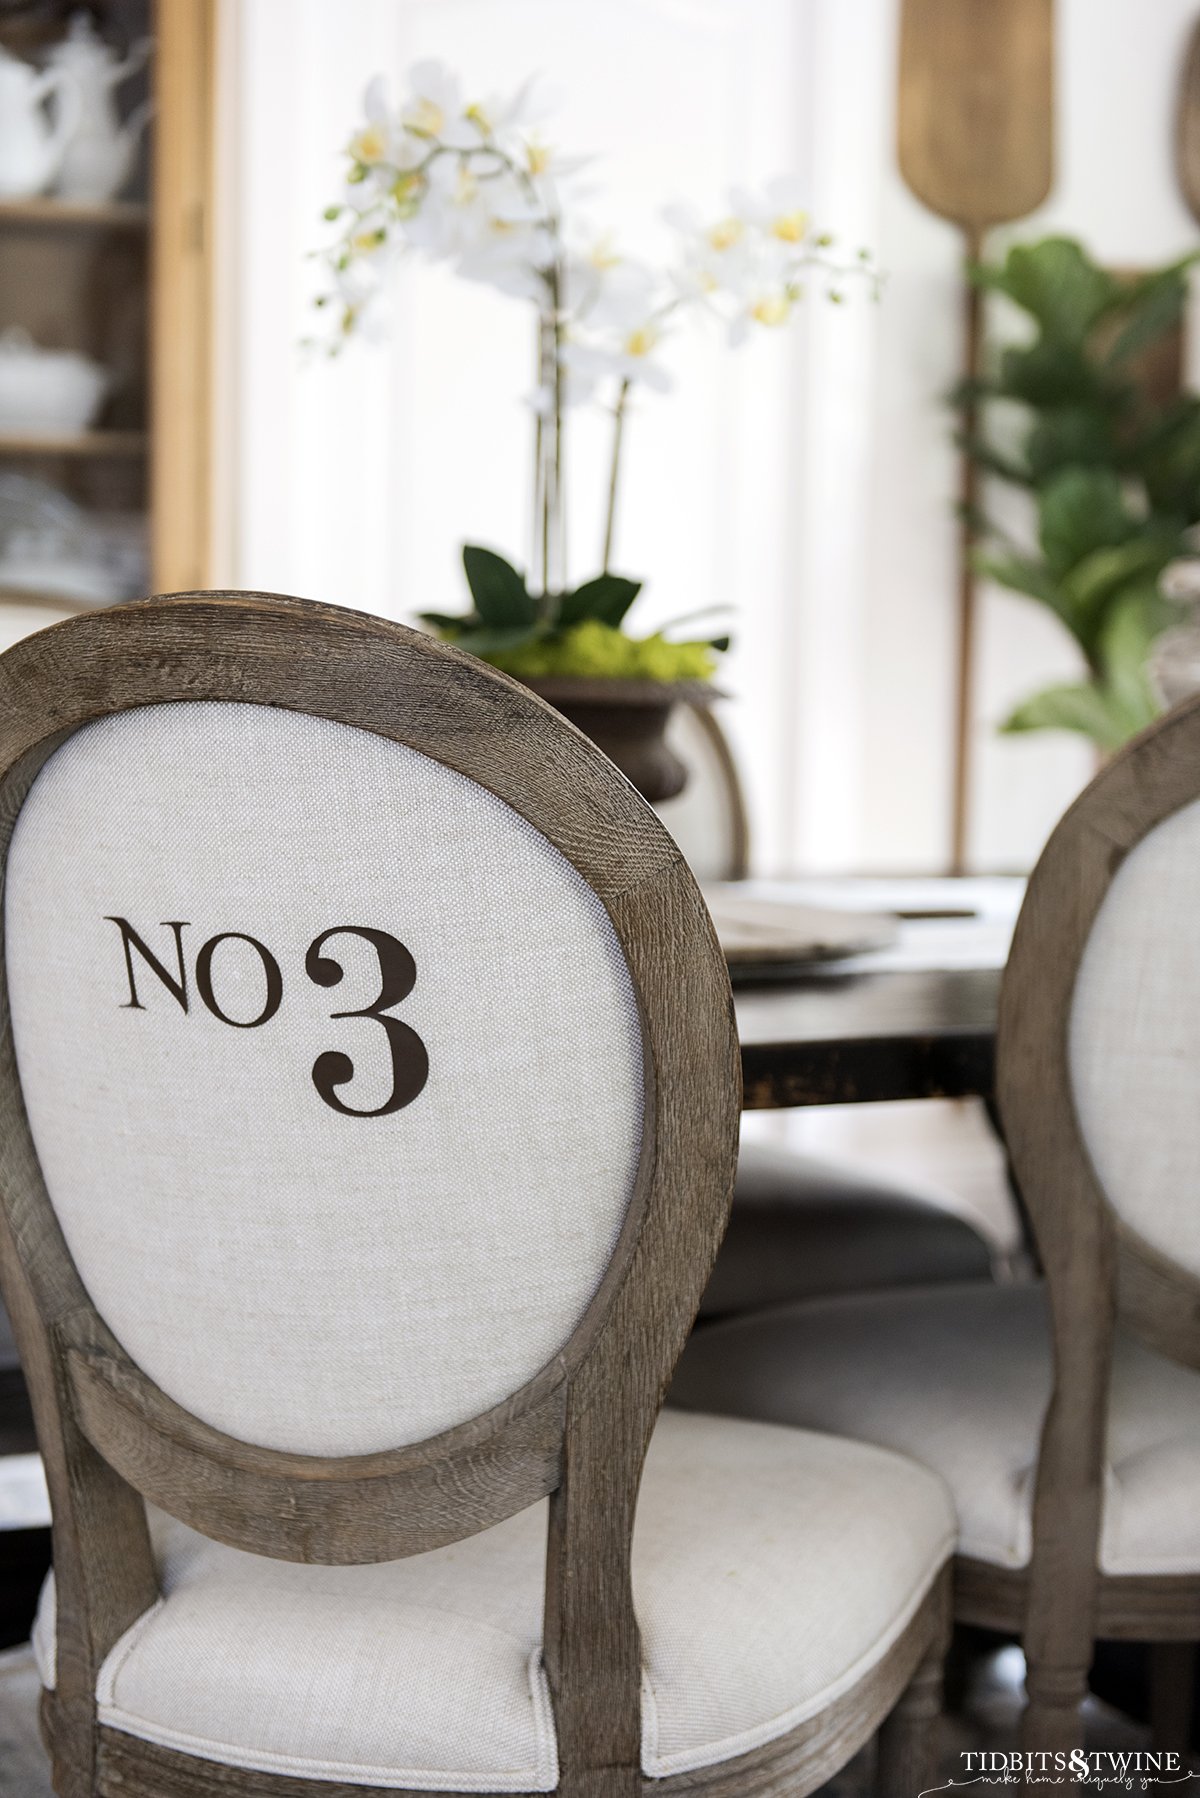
<point x="594" y="650"/>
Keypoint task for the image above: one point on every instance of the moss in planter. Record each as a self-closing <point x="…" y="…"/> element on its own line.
<point x="593" y="650"/>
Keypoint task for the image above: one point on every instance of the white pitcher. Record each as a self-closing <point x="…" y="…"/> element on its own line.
<point x="100" y="150"/>
<point x="31" y="149"/>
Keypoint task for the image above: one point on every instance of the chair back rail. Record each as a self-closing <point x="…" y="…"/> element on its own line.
<point x="577" y="1425"/>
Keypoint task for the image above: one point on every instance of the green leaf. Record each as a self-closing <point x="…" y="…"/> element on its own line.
<point x="1119" y="701"/>
<point x="1057" y="282"/>
<point x="1048" y="373"/>
<point x="986" y="456"/>
<point x="1092" y="583"/>
<point x="607" y="598"/>
<point x="501" y="597"/>
<point x="447" y="621"/>
<point x="1167" y="455"/>
<point x="1023" y="576"/>
<point x="1080" y="510"/>
<point x="1070" y="437"/>
<point x="487" y="640"/>
<point x="1087" y="710"/>
<point x="1151" y="307"/>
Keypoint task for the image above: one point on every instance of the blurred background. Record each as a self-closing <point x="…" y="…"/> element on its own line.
<point x="808" y="481"/>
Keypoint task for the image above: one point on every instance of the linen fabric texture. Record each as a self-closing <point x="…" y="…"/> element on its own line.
<point x="960" y="1377"/>
<point x="1135" y="1039"/>
<point x="296" y="1277"/>
<point x="771" y="1571"/>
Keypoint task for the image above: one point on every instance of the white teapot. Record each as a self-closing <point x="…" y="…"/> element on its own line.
<point x="31" y="149"/>
<point x="100" y="150"/>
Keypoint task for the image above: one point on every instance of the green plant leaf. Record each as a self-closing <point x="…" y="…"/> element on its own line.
<point x="1167" y="455"/>
<point x="1021" y="575"/>
<point x="447" y="621"/>
<point x="1056" y="281"/>
<point x="1070" y="437"/>
<point x="1100" y="576"/>
<point x="986" y="456"/>
<point x="490" y="640"/>
<point x="501" y="597"/>
<point x="1048" y="373"/>
<point x="1080" y="510"/>
<point x="1087" y="710"/>
<point x="1149" y="308"/>
<point x="607" y="598"/>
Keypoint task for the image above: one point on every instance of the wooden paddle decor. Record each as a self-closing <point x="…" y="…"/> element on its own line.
<point x="1187" y="125"/>
<point x="975" y="128"/>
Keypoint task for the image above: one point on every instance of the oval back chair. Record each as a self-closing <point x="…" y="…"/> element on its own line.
<point x="370" y="1094"/>
<point x="1065" y="1417"/>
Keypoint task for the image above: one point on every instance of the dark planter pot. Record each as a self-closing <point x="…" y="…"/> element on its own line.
<point x="627" y="719"/>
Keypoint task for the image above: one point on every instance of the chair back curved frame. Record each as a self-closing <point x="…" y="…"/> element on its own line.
<point x="1097" y="1267"/>
<point x="577" y="1431"/>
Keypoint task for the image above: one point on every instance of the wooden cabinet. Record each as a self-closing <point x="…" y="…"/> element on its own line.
<point x="127" y="282"/>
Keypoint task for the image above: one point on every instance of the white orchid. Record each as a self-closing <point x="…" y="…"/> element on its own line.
<point x="483" y="184"/>
<point x="435" y="110"/>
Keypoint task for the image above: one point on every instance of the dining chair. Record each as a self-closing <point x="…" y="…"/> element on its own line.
<point x="802" y="1225"/>
<point x="370" y="1092"/>
<point x="1065" y="1416"/>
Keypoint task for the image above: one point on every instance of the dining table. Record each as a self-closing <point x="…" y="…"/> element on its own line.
<point x="903" y="1006"/>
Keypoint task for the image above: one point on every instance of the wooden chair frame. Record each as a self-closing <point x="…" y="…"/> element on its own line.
<point x="1096" y="1267"/>
<point x="579" y="1430"/>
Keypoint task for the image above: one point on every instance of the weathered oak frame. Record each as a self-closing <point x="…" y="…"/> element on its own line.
<point x="578" y="1431"/>
<point x="1096" y="1267"/>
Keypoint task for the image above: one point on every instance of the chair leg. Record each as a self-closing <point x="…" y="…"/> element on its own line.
<point x="908" y="1739"/>
<point x="1172" y="1691"/>
<point x="1052" y="1722"/>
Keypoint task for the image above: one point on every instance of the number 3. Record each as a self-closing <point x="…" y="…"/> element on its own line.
<point x="397" y="977"/>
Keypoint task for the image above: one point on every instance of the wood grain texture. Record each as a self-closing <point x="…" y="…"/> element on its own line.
<point x="1187" y="125"/>
<point x="182" y="324"/>
<point x="975" y="126"/>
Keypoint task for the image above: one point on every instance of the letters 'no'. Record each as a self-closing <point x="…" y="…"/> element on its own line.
<point x="333" y="1069"/>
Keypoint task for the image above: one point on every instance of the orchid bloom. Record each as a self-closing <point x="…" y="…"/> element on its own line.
<point x="481" y="183"/>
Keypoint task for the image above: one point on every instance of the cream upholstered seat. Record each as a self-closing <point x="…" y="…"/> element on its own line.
<point x="372" y="1097"/>
<point x="803" y="1226"/>
<point x="960" y="1376"/>
<point x="771" y="1570"/>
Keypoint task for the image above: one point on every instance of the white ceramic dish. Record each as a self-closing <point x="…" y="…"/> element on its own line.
<point x="47" y="392"/>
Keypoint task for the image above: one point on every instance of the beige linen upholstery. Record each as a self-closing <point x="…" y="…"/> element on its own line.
<point x="960" y="1378"/>
<point x="301" y="1278"/>
<point x="1135" y="1039"/>
<point x="771" y="1569"/>
<point x="803" y="1227"/>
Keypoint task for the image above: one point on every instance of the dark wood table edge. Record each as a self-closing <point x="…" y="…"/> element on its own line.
<point x="948" y="1064"/>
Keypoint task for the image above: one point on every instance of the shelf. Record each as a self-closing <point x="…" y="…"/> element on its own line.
<point x="75" y="443"/>
<point x="123" y="215"/>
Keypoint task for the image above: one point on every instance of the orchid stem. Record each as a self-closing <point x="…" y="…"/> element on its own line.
<point x="618" y="432"/>
<point x="559" y="530"/>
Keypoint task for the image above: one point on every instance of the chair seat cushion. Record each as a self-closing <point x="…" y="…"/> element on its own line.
<point x="803" y="1226"/>
<point x="772" y="1569"/>
<point x="960" y="1378"/>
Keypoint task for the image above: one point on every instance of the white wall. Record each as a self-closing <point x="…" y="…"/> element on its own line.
<point x="807" y="482"/>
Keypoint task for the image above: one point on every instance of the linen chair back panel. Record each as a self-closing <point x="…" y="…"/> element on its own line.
<point x="1134" y="1044"/>
<point x="332" y="1063"/>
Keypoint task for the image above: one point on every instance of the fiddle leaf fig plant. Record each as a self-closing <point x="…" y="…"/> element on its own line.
<point x="1113" y="476"/>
